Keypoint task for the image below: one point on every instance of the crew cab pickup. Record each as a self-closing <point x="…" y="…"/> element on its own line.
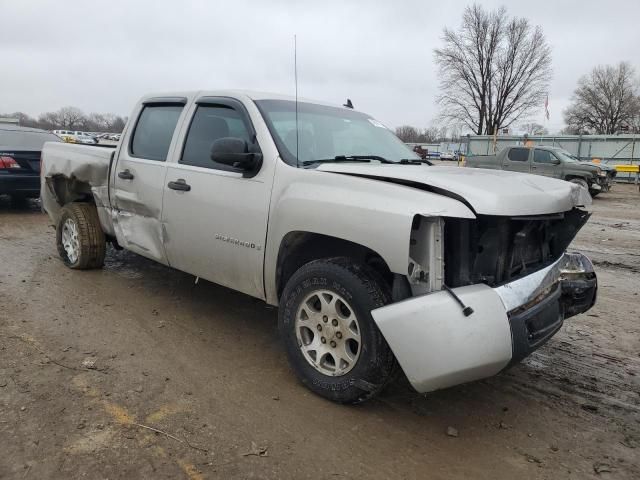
<point x="374" y="258"/>
<point x="548" y="161"/>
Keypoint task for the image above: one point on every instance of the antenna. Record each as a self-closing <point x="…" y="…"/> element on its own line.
<point x="295" y="77"/>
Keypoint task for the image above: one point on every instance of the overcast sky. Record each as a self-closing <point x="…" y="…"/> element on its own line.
<point x="102" y="55"/>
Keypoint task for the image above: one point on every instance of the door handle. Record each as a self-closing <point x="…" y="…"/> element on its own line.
<point x="179" y="184"/>
<point x="125" y="175"/>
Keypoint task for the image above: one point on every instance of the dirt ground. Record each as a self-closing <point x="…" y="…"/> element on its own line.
<point x="134" y="371"/>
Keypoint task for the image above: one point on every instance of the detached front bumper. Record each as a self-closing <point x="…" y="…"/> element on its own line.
<point x="437" y="346"/>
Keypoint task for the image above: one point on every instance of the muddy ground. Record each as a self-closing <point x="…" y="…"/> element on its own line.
<point x="134" y="371"/>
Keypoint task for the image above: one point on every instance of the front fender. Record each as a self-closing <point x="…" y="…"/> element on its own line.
<point x="372" y="213"/>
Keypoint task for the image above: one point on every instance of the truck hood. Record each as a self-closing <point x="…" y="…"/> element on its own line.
<point x="487" y="192"/>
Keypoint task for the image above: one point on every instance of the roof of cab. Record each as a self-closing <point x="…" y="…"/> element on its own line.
<point x="250" y="94"/>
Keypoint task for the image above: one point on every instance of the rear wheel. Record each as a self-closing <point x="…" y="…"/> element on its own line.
<point x="331" y="339"/>
<point x="79" y="236"/>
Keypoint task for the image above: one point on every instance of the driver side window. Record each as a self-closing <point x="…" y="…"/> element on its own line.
<point x="209" y="123"/>
<point x="543" y="156"/>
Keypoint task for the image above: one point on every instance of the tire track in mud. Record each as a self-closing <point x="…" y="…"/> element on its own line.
<point x="597" y="381"/>
<point x="616" y="265"/>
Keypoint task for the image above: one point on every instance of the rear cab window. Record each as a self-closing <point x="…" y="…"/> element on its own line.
<point x="518" y="154"/>
<point x="154" y="131"/>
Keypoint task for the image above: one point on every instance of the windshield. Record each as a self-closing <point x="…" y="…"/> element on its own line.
<point x="327" y="132"/>
<point x="566" y="156"/>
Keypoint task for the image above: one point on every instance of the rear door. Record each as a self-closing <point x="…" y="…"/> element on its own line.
<point x="544" y="163"/>
<point x="138" y="177"/>
<point x="517" y="160"/>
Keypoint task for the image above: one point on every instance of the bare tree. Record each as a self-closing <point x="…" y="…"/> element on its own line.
<point x="118" y="124"/>
<point x="494" y="70"/>
<point x="24" y="119"/>
<point x="49" y="121"/>
<point x="534" y="128"/>
<point x="408" y="134"/>
<point x="431" y="135"/>
<point x="605" y="101"/>
<point x="95" y="122"/>
<point x="71" y="118"/>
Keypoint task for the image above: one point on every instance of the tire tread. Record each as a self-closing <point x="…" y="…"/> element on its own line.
<point x="92" y="240"/>
<point x="380" y="295"/>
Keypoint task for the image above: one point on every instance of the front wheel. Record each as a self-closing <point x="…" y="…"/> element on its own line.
<point x="579" y="181"/>
<point x="79" y="236"/>
<point x="331" y="339"/>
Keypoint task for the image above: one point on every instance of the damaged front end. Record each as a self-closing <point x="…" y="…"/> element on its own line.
<point x="515" y="277"/>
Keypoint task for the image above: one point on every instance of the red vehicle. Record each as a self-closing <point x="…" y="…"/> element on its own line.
<point x="423" y="153"/>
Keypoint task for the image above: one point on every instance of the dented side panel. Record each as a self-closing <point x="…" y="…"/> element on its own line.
<point x="137" y="208"/>
<point x="70" y="169"/>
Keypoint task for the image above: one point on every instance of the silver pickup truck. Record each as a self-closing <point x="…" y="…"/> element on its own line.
<point x="548" y="161"/>
<point x="375" y="259"/>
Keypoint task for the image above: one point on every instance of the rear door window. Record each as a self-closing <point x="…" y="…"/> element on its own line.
<point x="154" y="131"/>
<point x="518" y="154"/>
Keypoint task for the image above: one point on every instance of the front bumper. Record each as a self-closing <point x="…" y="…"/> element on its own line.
<point x="604" y="182"/>
<point x="437" y="346"/>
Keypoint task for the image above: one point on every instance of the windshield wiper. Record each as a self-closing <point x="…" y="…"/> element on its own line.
<point x="414" y="161"/>
<point x="348" y="158"/>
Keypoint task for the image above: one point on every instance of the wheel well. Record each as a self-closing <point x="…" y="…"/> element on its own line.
<point x="67" y="190"/>
<point x="299" y="248"/>
<point x="571" y="177"/>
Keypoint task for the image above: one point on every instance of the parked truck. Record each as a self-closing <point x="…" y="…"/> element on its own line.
<point x="547" y="161"/>
<point x="374" y="258"/>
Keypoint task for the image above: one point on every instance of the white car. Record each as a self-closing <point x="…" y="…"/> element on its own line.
<point x="85" y="139"/>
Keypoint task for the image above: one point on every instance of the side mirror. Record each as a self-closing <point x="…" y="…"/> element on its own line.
<point x="237" y="153"/>
<point x="556" y="161"/>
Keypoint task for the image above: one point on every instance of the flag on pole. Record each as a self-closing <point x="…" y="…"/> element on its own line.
<point x="546" y="107"/>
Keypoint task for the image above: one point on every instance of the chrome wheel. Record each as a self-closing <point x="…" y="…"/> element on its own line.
<point x="70" y="240"/>
<point x="328" y="333"/>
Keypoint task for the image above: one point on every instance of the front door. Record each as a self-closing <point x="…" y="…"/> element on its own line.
<point x="545" y="163"/>
<point x="138" y="179"/>
<point x="215" y="218"/>
<point x="517" y="160"/>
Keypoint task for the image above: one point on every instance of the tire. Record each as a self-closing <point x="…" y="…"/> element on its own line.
<point x="351" y="370"/>
<point x="79" y="228"/>
<point x="595" y="193"/>
<point x="18" y="200"/>
<point x="579" y="181"/>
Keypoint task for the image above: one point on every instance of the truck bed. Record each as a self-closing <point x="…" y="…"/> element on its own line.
<point x="84" y="163"/>
<point x="483" y="161"/>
